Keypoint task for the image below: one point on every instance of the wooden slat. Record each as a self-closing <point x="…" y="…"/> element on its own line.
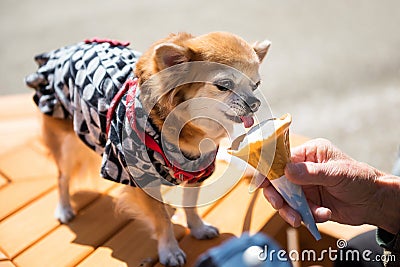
<point x="16" y="106"/>
<point x="102" y="185"/>
<point x="23" y="228"/>
<point x="26" y="226"/>
<point x="17" y="132"/>
<point x="6" y="264"/>
<point x="70" y="243"/>
<point x="18" y="194"/>
<point x="132" y="246"/>
<point x="38" y="145"/>
<point x="26" y="163"/>
<point x="18" y="121"/>
<point x="274" y="226"/>
<point x="3" y="256"/>
<point x="3" y="181"/>
<point x="258" y="213"/>
<point x="342" y="231"/>
<point x="234" y="221"/>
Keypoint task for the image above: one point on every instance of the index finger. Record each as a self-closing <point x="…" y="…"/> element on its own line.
<point x="315" y="150"/>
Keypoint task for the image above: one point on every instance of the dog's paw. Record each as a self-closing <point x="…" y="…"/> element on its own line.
<point x="205" y="231"/>
<point x="172" y="256"/>
<point x="64" y="214"/>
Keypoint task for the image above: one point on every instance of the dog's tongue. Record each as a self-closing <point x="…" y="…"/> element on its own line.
<point x="248" y="121"/>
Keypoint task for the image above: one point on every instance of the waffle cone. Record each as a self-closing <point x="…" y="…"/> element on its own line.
<point x="268" y="150"/>
<point x="282" y="155"/>
<point x="270" y="153"/>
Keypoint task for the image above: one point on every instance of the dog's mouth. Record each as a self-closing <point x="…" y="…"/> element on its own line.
<point x="247" y="121"/>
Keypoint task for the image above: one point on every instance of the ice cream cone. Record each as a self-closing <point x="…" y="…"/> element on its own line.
<point x="268" y="150"/>
<point x="282" y="151"/>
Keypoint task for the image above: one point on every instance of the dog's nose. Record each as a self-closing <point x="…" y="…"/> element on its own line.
<point x="253" y="103"/>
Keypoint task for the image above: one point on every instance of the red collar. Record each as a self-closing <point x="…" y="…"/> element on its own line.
<point x="182" y="175"/>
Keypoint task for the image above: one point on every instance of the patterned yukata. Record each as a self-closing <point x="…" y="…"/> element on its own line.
<point x="79" y="82"/>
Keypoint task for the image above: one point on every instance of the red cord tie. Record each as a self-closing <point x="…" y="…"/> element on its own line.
<point x="110" y="41"/>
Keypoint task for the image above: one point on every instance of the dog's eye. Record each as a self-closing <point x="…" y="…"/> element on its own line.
<point x="224" y="85"/>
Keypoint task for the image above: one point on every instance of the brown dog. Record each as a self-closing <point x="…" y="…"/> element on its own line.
<point x="80" y="88"/>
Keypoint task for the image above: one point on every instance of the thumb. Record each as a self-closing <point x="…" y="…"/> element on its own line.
<point x="309" y="173"/>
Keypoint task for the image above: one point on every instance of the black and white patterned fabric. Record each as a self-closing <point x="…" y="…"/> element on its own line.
<point x="136" y="164"/>
<point x="79" y="82"/>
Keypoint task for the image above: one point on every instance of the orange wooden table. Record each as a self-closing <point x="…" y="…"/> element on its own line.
<point x="31" y="236"/>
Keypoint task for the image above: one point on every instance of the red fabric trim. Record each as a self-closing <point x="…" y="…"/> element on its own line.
<point x="110" y="41"/>
<point x="117" y="98"/>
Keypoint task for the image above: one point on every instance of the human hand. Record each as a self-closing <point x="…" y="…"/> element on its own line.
<point x="337" y="187"/>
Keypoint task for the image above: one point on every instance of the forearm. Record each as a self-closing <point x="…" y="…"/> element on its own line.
<point x="386" y="214"/>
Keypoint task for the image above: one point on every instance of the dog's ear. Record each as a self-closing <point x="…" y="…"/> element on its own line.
<point x="261" y="48"/>
<point x="169" y="54"/>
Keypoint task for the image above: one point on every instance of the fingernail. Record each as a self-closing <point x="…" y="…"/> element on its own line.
<point x="292" y="219"/>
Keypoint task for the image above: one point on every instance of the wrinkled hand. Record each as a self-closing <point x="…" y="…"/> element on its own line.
<point x="337" y="187"/>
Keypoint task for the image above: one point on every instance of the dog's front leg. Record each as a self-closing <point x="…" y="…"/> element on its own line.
<point x="169" y="252"/>
<point x="198" y="228"/>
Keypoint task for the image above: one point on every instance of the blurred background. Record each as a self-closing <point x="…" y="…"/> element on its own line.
<point x="334" y="65"/>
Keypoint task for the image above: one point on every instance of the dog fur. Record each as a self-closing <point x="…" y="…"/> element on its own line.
<point x="219" y="47"/>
